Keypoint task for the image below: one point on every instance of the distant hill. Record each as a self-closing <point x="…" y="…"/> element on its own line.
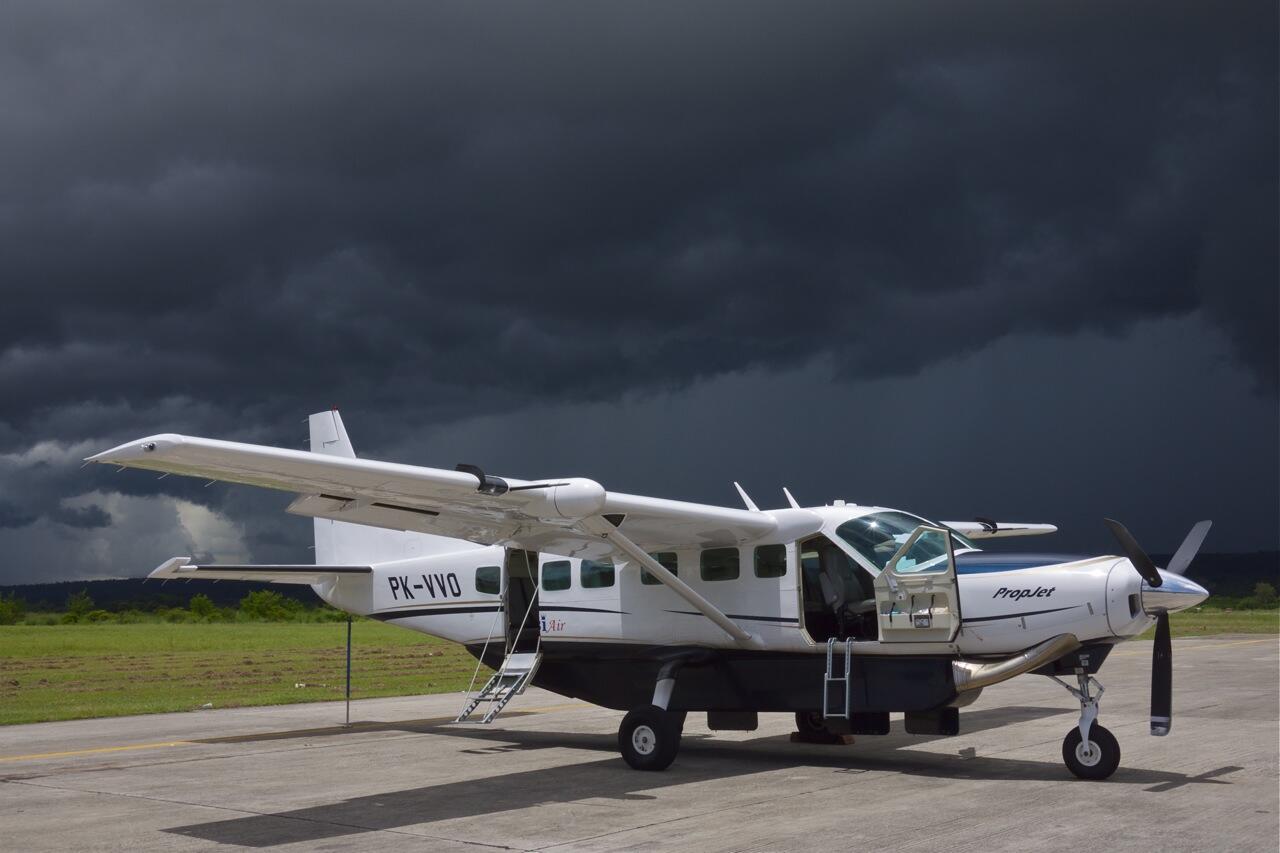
<point x="141" y="594"/>
<point x="1221" y="574"/>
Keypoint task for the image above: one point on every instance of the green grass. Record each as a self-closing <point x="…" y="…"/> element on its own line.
<point x="65" y="672"/>
<point x="1205" y="622"/>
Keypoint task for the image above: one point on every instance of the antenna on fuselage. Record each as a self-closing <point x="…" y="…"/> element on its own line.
<point x="746" y="499"/>
<point x="790" y="499"/>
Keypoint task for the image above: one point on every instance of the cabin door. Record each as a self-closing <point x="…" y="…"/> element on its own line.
<point x="917" y="597"/>
<point x="520" y="600"/>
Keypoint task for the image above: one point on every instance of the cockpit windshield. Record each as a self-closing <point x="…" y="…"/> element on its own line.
<point x="879" y="535"/>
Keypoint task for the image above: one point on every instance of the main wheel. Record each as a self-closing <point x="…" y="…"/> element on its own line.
<point x="649" y="738"/>
<point x="810" y="723"/>
<point x="1096" y="760"/>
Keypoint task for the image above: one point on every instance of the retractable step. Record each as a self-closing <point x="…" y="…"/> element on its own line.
<point x="839" y="708"/>
<point x="507" y="683"/>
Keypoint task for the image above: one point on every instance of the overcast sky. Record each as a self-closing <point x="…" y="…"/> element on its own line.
<point x="1001" y="259"/>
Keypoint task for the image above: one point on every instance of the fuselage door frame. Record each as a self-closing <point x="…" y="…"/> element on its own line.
<point x="917" y="594"/>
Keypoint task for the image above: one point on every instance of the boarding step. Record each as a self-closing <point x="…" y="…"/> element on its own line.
<point x="839" y="708"/>
<point x="507" y="683"/>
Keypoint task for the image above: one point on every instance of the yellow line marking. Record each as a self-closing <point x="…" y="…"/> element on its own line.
<point x="37" y="755"/>
<point x="566" y="707"/>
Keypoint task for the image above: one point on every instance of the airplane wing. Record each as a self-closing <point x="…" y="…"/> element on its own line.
<point x="465" y="504"/>
<point x="986" y="528"/>
<point x="181" y="568"/>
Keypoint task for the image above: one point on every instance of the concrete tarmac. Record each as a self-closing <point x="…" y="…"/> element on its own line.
<point x="546" y="776"/>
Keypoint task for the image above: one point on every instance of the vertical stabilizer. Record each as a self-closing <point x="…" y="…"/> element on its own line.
<point x="340" y="543"/>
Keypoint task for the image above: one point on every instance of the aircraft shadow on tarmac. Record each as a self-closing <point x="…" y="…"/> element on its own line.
<point x="702" y="758"/>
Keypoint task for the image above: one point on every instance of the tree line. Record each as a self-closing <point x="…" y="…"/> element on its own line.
<point x="263" y="605"/>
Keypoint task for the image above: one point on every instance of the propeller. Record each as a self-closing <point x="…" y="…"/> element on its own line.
<point x="1159" y="606"/>
<point x="1134" y="552"/>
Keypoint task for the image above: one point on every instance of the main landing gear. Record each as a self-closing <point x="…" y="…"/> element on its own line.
<point x="649" y="736"/>
<point x="1089" y="750"/>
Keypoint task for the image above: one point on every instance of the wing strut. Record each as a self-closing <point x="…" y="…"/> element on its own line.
<point x="598" y="526"/>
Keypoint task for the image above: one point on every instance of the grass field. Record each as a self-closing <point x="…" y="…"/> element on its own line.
<point x="1206" y="622"/>
<point x="64" y="672"/>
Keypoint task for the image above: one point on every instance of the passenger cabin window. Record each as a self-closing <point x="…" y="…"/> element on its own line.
<point x="555" y="576"/>
<point x="489" y="580"/>
<point x="719" y="564"/>
<point x="666" y="559"/>
<point x="596" y="574"/>
<point x="771" y="561"/>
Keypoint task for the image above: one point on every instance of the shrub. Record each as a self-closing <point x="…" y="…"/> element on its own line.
<point x="269" y="606"/>
<point x="202" y="607"/>
<point x="99" y="616"/>
<point x="79" y="605"/>
<point x="12" y="609"/>
<point x="325" y="613"/>
<point x="1265" y="594"/>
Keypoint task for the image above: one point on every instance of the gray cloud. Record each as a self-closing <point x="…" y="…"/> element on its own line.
<point x="215" y="220"/>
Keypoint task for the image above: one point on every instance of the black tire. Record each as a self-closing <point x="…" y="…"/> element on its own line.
<point x="1104" y="760"/>
<point x="649" y="738"/>
<point x="810" y="723"/>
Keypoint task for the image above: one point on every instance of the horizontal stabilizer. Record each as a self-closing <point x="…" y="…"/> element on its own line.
<point x="181" y="568"/>
<point x="986" y="528"/>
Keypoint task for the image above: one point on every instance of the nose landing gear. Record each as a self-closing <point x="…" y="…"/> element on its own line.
<point x="1089" y="750"/>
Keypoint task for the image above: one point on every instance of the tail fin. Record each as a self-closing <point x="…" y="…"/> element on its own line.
<point x="340" y="542"/>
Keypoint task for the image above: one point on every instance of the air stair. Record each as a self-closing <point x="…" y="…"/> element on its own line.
<point x="841" y="683"/>
<point x="517" y="670"/>
<point x="507" y="683"/>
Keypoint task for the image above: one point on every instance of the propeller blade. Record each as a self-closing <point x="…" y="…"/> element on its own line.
<point x="1162" y="679"/>
<point x="1134" y="552"/>
<point x="1189" y="548"/>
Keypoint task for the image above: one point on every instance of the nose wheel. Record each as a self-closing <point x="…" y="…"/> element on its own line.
<point x="1095" y="758"/>
<point x="1089" y="750"/>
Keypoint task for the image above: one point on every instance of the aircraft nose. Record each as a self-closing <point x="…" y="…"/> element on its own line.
<point x="1174" y="594"/>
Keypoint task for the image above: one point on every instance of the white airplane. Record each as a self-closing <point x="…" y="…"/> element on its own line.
<point x="841" y="614"/>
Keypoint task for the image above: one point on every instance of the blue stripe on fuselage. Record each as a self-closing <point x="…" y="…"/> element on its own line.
<point x="982" y="562"/>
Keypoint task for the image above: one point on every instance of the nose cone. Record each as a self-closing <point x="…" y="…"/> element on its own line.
<point x="1176" y="593"/>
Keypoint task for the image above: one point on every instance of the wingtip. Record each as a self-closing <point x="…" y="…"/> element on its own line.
<point x="123" y="453"/>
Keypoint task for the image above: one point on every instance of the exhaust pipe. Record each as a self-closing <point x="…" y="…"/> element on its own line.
<point x="972" y="675"/>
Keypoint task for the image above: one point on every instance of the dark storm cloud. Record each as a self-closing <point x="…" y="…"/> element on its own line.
<point x="215" y="219"/>
<point x="12" y="515"/>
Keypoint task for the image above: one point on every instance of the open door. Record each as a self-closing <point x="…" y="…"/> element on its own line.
<point x="917" y="598"/>
<point x="520" y="600"/>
